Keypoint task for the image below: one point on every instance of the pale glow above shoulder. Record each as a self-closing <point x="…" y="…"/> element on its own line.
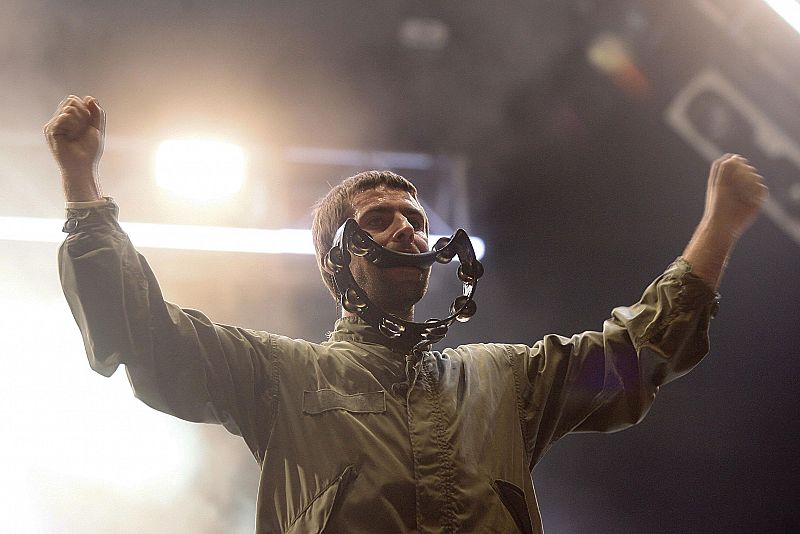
<point x="188" y="237"/>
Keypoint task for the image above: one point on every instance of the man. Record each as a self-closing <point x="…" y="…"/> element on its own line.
<point x="359" y="433"/>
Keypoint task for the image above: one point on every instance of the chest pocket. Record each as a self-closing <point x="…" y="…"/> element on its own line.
<point x="324" y="400"/>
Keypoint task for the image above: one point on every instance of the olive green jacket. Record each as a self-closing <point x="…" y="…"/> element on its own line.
<point x="355" y="436"/>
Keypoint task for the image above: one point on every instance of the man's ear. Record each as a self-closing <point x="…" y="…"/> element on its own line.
<point x="322" y="266"/>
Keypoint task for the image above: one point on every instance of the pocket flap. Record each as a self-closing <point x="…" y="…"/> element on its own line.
<point x="514" y="500"/>
<point x="323" y="400"/>
<point x="316" y="515"/>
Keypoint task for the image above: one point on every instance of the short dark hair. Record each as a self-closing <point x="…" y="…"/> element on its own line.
<point x="333" y="209"/>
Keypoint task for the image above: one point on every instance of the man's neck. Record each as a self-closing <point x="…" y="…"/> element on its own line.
<point x="407" y="315"/>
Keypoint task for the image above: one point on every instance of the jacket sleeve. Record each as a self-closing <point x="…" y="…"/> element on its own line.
<point x="606" y="381"/>
<point x="177" y="360"/>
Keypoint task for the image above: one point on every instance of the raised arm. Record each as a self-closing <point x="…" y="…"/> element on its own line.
<point x="734" y="197"/>
<point x="177" y="360"/>
<point x="607" y="380"/>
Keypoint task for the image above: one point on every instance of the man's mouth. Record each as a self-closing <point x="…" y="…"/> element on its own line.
<point x="405" y="250"/>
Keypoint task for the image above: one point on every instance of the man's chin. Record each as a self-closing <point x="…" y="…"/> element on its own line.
<point x="406" y="272"/>
<point x="403" y="292"/>
<point x="394" y="289"/>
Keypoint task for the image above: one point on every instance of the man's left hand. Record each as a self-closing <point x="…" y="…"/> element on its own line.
<point x="735" y="195"/>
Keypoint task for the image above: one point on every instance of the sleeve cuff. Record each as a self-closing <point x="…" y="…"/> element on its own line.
<point x="87" y="204"/>
<point x="693" y="288"/>
<point x="85" y="215"/>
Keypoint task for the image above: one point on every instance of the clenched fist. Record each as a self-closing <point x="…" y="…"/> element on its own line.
<point x="735" y="194"/>
<point x="734" y="197"/>
<point x="75" y="134"/>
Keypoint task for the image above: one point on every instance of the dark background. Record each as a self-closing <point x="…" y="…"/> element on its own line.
<point x="581" y="189"/>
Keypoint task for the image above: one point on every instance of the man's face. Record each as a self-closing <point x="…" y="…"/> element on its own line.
<point x="396" y="221"/>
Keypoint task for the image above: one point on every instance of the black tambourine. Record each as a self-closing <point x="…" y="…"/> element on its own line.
<point x="352" y="240"/>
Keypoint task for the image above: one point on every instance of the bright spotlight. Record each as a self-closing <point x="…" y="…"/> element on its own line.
<point x="788" y="9"/>
<point x="200" y="169"/>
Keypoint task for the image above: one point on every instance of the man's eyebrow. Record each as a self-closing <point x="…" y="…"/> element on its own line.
<point x="408" y="211"/>
<point x="403" y="209"/>
<point x="413" y="213"/>
<point x="375" y="209"/>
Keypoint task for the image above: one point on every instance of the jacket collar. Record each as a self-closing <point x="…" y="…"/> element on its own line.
<point x="355" y="329"/>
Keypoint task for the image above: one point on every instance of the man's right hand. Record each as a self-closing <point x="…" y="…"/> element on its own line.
<point x="75" y="135"/>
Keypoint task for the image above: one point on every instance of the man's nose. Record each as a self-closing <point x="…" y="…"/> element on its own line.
<point x="403" y="231"/>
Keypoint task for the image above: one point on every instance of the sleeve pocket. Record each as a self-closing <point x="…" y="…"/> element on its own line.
<point x="323" y="400"/>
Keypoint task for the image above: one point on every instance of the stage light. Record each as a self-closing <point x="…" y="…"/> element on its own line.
<point x="200" y="169"/>
<point x="788" y="9"/>
<point x="188" y="237"/>
<point x="424" y="33"/>
<point x="609" y="54"/>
